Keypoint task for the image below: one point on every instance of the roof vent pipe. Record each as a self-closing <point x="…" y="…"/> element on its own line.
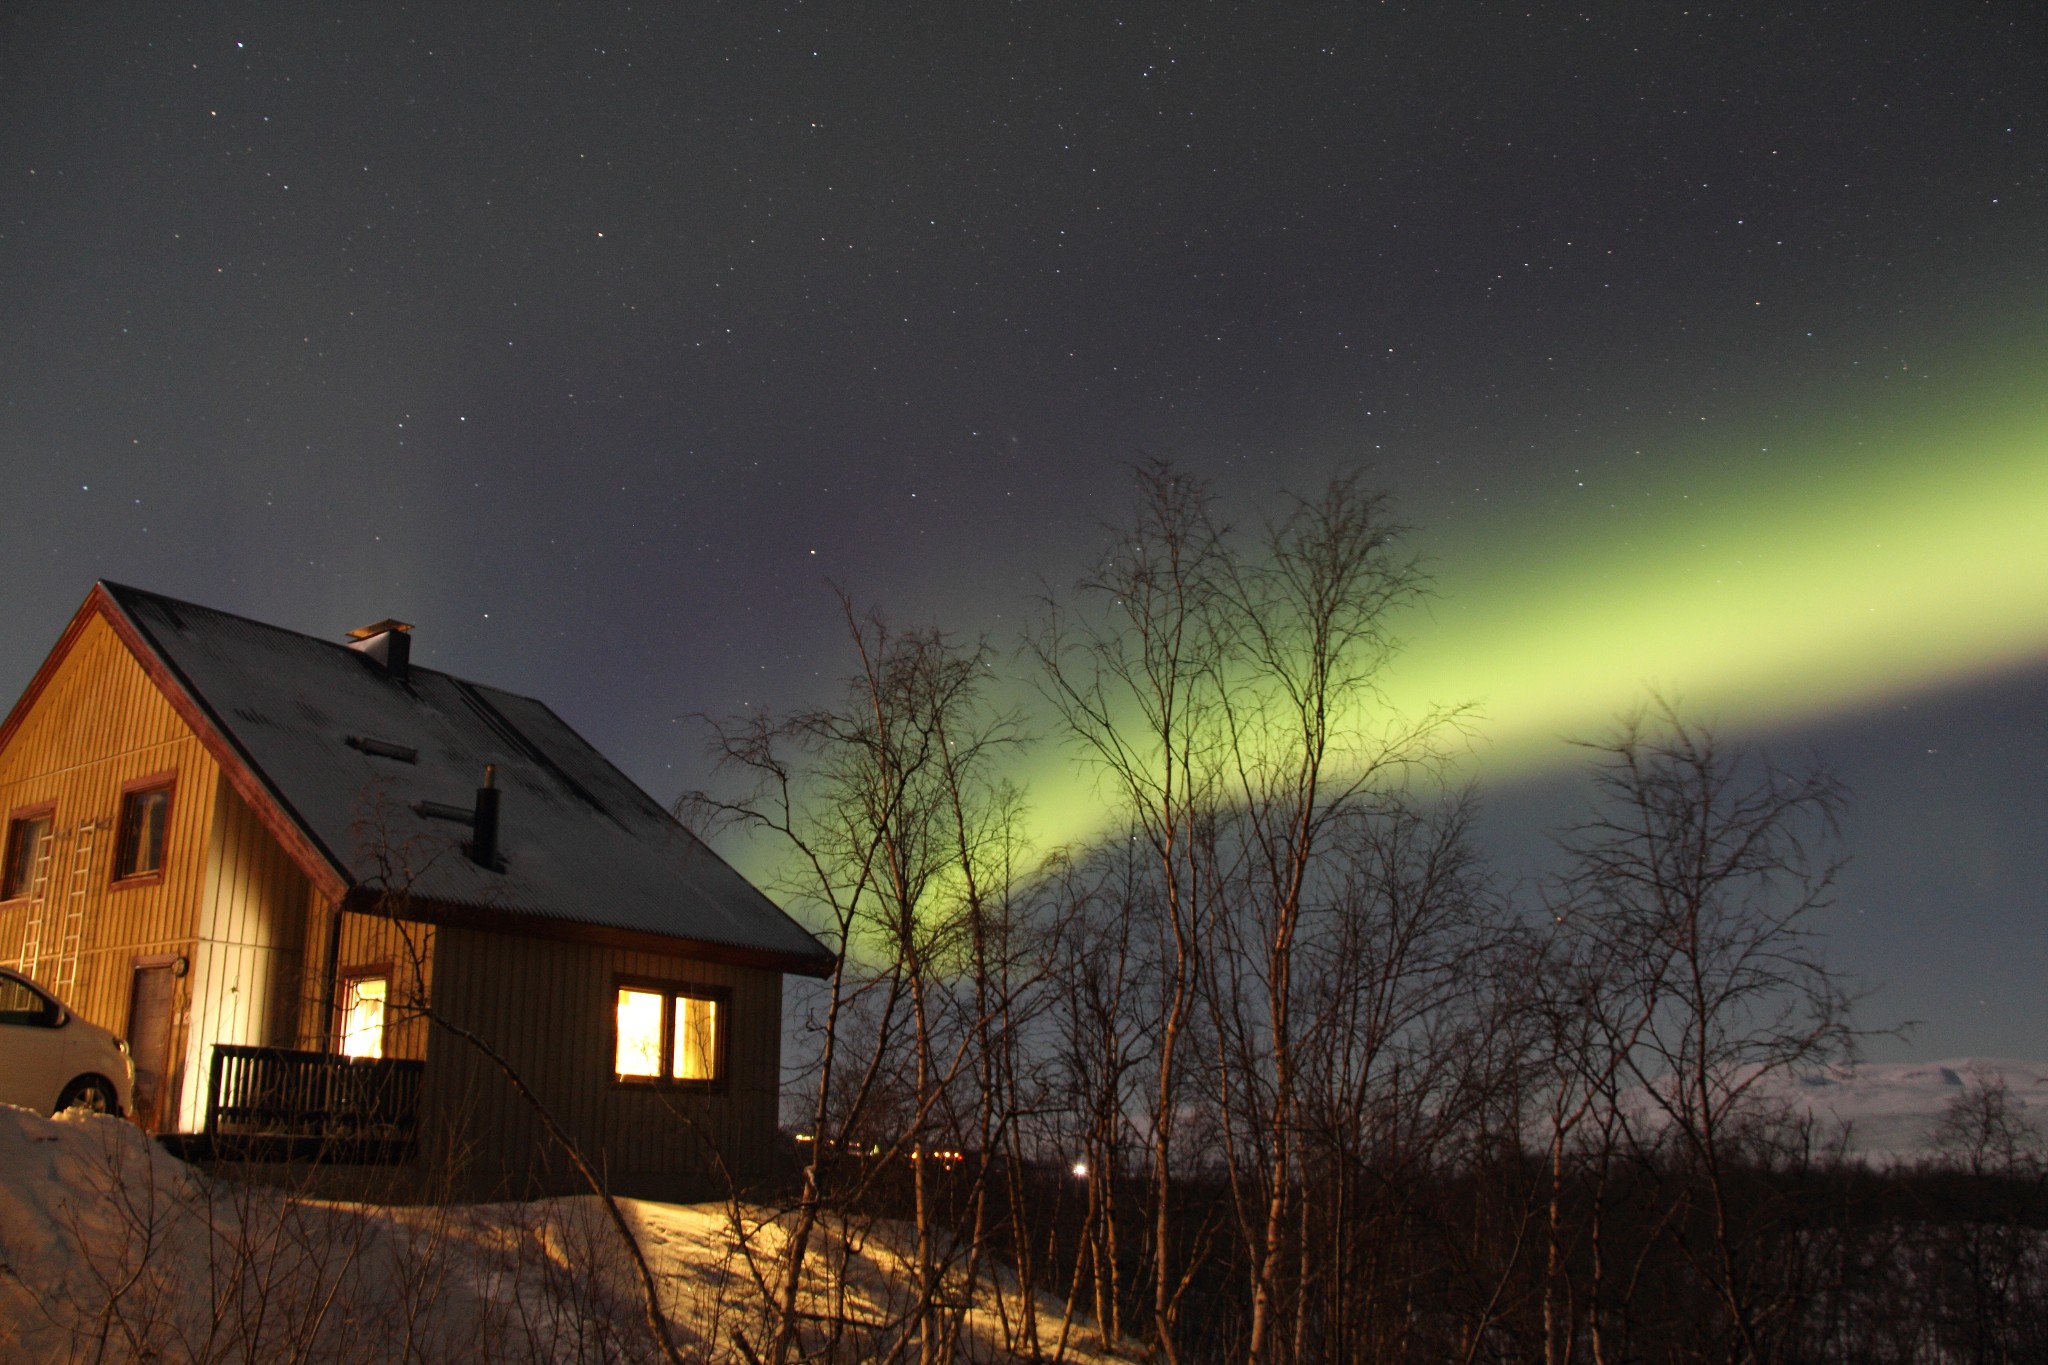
<point x="388" y="642"/>
<point x="483" y="839"/>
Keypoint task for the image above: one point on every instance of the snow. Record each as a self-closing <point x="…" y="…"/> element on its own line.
<point x="111" y="1249"/>
<point x="577" y="839"/>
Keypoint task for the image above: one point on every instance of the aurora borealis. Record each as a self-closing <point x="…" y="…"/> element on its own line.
<point x="1704" y="350"/>
<point x="1763" y="587"/>
<point x="1769" y="586"/>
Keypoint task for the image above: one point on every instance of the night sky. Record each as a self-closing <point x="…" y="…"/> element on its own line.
<point x="1706" y="349"/>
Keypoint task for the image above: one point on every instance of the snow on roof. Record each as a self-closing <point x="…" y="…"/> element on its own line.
<point x="328" y="729"/>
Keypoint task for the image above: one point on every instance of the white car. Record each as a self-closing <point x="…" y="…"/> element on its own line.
<point x="51" y="1060"/>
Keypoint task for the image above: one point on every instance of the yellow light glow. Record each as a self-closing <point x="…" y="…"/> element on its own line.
<point x="696" y="1039"/>
<point x="639" y="1029"/>
<point x="362" y="1017"/>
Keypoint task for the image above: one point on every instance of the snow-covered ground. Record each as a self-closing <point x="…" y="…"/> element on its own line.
<point x="112" y="1250"/>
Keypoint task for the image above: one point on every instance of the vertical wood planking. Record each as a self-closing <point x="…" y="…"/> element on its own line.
<point x="407" y="946"/>
<point x="99" y="724"/>
<point x="313" y="1023"/>
<point x="233" y="901"/>
<point x="546" y="1006"/>
<point x="247" y="953"/>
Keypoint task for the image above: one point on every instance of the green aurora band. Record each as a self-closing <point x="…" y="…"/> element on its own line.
<point x="1891" y="552"/>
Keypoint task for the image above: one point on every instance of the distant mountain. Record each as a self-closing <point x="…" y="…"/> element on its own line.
<point x="1891" y="1109"/>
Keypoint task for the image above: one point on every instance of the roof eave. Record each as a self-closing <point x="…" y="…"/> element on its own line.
<point x="87" y="609"/>
<point x="283" y="823"/>
<point x="369" y="900"/>
<point x="329" y="877"/>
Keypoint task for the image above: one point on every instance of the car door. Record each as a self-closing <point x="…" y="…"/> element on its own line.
<point x="32" y="1046"/>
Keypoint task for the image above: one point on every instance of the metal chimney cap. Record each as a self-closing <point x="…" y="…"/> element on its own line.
<point x="380" y="628"/>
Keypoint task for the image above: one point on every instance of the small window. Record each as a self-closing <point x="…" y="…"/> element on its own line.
<point x="28" y="854"/>
<point x="363" y="999"/>
<point x="667" y="1033"/>
<point x="139" y="846"/>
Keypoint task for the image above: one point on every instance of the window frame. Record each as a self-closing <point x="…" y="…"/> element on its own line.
<point x="16" y="818"/>
<point x="165" y="782"/>
<point x="344" y="980"/>
<point x="671" y="992"/>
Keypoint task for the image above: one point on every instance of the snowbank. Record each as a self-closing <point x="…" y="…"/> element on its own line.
<point x="115" y="1250"/>
<point x="112" y="1250"/>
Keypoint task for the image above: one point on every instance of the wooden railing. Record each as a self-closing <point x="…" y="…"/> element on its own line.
<point x="273" y="1101"/>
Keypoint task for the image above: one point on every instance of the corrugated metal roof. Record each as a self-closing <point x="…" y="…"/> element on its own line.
<point x="578" y="840"/>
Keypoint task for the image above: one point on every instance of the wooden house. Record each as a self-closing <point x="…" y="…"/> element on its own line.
<point x="337" y="903"/>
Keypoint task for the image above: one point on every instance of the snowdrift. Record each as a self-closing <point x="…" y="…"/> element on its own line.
<point x="112" y="1250"/>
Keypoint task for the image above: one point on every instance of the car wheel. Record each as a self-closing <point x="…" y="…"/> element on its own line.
<point x="88" y="1093"/>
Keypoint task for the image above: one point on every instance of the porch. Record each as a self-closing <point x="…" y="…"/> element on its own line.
<point x="277" y="1104"/>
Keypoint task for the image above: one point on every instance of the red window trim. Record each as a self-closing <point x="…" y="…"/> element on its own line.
<point x="20" y="813"/>
<point x="167" y="781"/>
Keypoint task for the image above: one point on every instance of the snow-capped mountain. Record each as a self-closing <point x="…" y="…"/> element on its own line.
<point x="1892" y="1109"/>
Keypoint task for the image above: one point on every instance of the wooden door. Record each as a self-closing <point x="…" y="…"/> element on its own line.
<point x="150" y="1005"/>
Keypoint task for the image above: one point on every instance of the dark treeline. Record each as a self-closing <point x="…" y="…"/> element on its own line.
<point x="1277" y="1068"/>
<point x="1930" y="1263"/>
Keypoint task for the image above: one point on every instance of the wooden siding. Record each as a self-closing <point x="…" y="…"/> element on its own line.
<point x="251" y="936"/>
<point x="98" y="724"/>
<point x="249" y="949"/>
<point x="371" y="940"/>
<point x="547" y="1009"/>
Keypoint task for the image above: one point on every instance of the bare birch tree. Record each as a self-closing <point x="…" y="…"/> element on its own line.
<point x="1702" y="875"/>
<point x="1307" y="625"/>
<point x="1133" y="677"/>
<point x="899" y="833"/>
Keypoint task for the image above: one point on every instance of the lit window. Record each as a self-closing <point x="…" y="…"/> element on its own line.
<point x="696" y="1056"/>
<point x="666" y="1033"/>
<point x="362" y="1015"/>
<point x="28" y="854"/>
<point x="639" y="1052"/>
<point x="139" y="849"/>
